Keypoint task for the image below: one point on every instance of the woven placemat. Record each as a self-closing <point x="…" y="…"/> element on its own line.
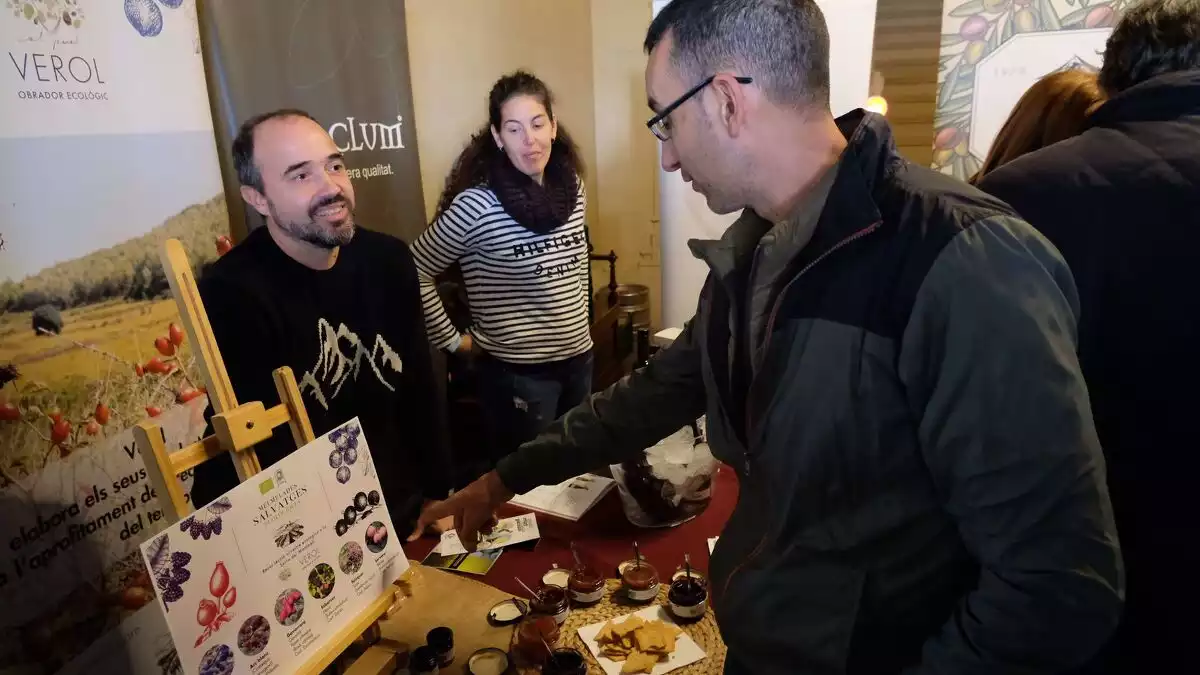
<point x="704" y="631"/>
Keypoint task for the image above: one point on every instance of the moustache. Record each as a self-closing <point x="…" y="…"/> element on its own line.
<point x="327" y="201"/>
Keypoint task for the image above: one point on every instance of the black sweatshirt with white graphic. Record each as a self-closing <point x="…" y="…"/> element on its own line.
<point x="355" y="340"/>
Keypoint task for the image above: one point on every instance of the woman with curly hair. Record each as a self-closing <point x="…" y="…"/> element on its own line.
<point x="512" y="217"/>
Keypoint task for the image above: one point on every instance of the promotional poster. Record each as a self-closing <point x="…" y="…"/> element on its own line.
<point x="260" y="579"/>
<point x="346" y="64"/>
<point x="106" y="146"/>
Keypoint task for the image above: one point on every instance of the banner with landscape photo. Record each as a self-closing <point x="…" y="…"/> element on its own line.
<point x="107" y="149"/>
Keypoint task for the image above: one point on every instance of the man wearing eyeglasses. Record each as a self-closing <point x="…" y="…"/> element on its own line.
<point x="886" y="357"/>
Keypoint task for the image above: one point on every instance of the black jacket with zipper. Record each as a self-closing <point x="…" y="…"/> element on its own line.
<point x="1122" y="203"/>
<point x="922" y="490"/>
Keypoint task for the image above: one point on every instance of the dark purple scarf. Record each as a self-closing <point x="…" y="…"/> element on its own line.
<point x="538" y="208"/>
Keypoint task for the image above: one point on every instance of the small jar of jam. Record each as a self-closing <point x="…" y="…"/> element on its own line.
<point x="534" y="633"/>
<point x="639" y="579"/>
<point x="687" y="598"/>
<point x="565" y="661"/>
<point x="551" y="601"/>
<point x="586" y="586"/>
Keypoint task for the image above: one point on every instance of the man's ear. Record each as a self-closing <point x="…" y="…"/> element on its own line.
<point x="256" y="199"/>
<point x="731" y="96"/>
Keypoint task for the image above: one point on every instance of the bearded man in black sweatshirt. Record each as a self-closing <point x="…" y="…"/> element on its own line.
<point x="338" y="304"/>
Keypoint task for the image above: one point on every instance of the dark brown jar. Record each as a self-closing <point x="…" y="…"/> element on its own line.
<point x="586" y="586"/>
<point x="640" y="581"/>
<point x="551" y="601"/>
<point x="687" y="598"/>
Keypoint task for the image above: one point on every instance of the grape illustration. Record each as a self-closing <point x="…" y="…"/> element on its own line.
<point x="350" y="455"/>
<point x="343" y="474"/>
<point x="335" y="458"/>
<point x="145" y="17"/>
<point x="373" y="498"/>
<point x="361" y="501"/>
<point x="349" y="515"/>
<point x="341" y="527"/>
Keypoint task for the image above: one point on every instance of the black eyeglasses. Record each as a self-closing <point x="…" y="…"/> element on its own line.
<point x="658" y="123"/>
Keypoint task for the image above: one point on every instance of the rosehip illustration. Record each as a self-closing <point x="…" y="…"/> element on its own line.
<point x="218" y="583"/>
<point x="223" y="245"/>
<point x="55" y="415"/>
<point x="139" y="370"/>
<point x="230" y="596"/>
<point x="92" y="428"/>
<point x="164" y="346"/>
<point x="9" y="412"/>
<point x="175" y="334"/>
<point x="153" y="410"/>
<point x="134" y="597"/>
<point x="60" y="431"/>
<point x="186" y="394"/>
<point x="206" y="612"/>
<point x="154" y="365"/>
<point x="103" y="414"/>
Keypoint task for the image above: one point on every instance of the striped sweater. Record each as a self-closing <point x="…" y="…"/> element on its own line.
<point x="528" y="292"/>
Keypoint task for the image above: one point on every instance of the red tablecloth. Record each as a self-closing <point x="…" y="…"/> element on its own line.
<point x="604" y="537"/>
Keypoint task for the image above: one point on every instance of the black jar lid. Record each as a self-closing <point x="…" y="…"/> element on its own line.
<point x="440" y="638"/>
<point x="507" y="612"/>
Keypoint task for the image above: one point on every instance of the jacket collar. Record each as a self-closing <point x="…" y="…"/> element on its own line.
<point x="1163" y="98"/>
<point x="869" y="156"/>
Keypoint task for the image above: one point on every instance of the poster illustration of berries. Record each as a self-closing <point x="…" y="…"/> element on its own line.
<point x="259" y="580"/>
<point x="994" y="50"/>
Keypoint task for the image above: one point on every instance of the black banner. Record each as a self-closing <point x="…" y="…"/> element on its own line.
<point x="346" y="63"/>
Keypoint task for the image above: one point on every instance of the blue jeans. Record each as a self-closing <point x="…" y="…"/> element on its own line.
<point x="520" y="400"/>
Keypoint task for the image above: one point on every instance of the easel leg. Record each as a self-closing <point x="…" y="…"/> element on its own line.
<point x="149" y="440"/>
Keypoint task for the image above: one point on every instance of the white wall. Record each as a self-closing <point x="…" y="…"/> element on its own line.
<point x="685" y="215"/>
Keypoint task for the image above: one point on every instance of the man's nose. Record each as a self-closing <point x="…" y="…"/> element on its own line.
<point x="670" y="161"/>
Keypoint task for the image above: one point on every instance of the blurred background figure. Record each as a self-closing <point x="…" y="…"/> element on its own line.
<point x="1054" y="109"/>
<point x="1121" y="201"/>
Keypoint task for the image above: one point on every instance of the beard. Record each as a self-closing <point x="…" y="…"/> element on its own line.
<point x="312" y="232"/>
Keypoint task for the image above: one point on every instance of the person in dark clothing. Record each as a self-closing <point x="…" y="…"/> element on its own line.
<point x="338" y="304"/>
<point x="1121" y="202"/>
<point x="887" y="359"/>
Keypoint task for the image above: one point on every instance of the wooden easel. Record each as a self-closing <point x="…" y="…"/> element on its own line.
<point x="237" y="429"/>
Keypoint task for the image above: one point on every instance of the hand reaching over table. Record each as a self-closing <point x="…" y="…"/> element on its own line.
<point x="473" y="510"/>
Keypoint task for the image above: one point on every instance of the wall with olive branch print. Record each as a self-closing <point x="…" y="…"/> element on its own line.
<point x="992" y="51"/>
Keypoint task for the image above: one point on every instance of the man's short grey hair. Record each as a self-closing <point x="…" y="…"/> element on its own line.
<point x="782" y="44"/>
